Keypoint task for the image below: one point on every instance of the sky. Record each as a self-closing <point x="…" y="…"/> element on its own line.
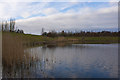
<point x="69" y="16"/>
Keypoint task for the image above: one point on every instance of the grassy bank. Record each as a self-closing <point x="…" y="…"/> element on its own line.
<point x="33" y="40"/>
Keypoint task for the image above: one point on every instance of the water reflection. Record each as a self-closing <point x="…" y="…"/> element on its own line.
<point x="77" y="60"/>
<point x="69" y="61"/>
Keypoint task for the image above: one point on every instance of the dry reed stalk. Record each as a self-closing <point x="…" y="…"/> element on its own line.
<point x="13" y="50"/>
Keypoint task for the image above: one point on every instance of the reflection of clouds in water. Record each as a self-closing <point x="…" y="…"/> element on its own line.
<point x="99" y="60"/>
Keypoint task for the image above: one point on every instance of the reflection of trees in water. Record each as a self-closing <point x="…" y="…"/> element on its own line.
<point x="63" y="45"/>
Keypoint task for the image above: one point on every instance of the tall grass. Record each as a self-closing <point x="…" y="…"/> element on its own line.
<point x="13" y="54"/>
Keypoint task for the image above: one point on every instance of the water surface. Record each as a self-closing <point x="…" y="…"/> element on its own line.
<point x="76" y="61"/>
<point x="70" y="61"/>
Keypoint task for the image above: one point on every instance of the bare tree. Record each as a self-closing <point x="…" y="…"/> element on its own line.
<point x="42" y="30"/>
<point x="2" y="26"/>
<point x="6" y="26"/>
<point x="12" y="24"/>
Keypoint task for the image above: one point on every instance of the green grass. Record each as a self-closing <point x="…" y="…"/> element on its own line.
<point x="34" y="39"/>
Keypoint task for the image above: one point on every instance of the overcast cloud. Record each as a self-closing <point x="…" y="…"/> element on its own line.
<point x="69" y="16"/>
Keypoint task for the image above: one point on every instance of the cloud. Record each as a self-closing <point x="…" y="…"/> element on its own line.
<point x="31" y="17"/>
<point x="59" y="0"/>
<point x="49" y="11"/>
<point x="20" y="9"/>
<point x="104" y="18"/>
<point x="25" y="14"/>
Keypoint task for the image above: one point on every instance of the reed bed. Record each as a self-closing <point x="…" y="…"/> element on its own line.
<point x="14" y="56"/>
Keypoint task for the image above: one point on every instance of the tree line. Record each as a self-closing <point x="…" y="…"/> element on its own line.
<point x="9" y="26"/>
<point x="81" y="34"/>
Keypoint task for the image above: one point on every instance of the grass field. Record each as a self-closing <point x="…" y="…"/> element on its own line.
<point x="41" y="40"/>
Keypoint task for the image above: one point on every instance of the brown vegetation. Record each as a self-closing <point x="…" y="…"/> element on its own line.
<point x="13" y="55"/>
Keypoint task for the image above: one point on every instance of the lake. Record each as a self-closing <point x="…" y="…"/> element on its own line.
<point x="71" y="61"/>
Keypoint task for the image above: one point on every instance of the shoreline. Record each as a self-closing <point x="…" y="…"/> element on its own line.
<point x="39" y="40"/>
